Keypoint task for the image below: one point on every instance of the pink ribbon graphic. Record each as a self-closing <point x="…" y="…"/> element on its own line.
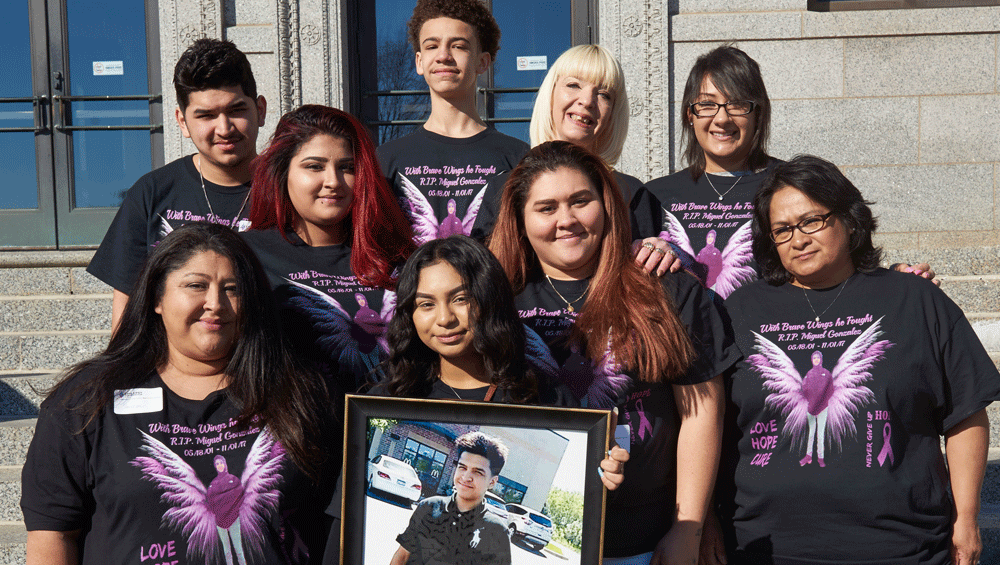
<point x="643" y="421"/>
<point x="886" y="446"/>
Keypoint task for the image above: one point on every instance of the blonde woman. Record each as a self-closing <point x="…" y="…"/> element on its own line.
<point x="583" y="100"/>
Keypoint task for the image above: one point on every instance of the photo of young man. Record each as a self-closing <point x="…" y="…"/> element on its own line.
<point x="458" y="529"/>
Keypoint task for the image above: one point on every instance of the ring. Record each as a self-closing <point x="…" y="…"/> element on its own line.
<point x="659" y="250"/>
<point x="649" y="246"/>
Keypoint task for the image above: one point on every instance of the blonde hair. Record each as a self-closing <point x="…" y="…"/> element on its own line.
<point x="591" y="63"/>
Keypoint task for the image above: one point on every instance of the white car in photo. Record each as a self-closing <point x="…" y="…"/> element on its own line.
<point x="525" y="524"/>
<point x="496" y="506"/>
<point x="395" y="477"/>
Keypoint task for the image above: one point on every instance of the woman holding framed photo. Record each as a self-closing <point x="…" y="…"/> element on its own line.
<point x="655" y="349"/>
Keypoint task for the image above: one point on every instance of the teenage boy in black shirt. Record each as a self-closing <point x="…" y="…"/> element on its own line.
<point x="440" y="171"/>
<point x="458" y="529"/>
<point x="220" y="112"/>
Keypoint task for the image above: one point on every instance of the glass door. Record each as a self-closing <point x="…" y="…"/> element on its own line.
<point x="27" y="213"/>
<point x="95" y="127"/>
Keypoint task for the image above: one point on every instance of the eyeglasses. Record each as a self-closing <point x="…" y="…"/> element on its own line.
<point x="812" y="224"/>
<point x="733" y="108"/>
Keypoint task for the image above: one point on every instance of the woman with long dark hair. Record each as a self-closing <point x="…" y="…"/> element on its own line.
<point x="195" y="435"/>
<point x="583" y="100"/>
<point x="330" y="234"/>
<point x="456" y="333"/>
<point x="620" y="338"/>
<point x="851" y="376"/>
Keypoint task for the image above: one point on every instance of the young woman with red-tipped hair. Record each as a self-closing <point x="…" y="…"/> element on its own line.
<point x="330" y="234"/>
<point x="653" y="348"/>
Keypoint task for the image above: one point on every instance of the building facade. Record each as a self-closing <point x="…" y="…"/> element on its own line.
<point x="904" y="99"/>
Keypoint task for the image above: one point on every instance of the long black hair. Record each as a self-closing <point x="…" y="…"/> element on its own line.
<point x="264" y="381"/>
<point x="823" y="183"/>
<point x="497" y="331"/>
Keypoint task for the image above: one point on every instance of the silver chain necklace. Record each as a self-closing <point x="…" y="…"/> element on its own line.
<point x="232" y="224"/>
<point x="809" y="302"/>
<point x="455" y="392"/>
<point x="569" y="305"/>
<point x="709" y="179"/>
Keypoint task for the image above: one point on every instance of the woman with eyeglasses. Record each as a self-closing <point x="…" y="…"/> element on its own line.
<point x="850" y="376"/>
<point x="707" y="206"/>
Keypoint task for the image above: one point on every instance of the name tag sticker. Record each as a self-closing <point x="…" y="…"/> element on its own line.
<point x="623" y="436"/>
<point x="138" y="400"/>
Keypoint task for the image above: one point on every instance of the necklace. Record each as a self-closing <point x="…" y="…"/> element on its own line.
<point x="809" y="302"/>
<point x="232" y="224"/>
<point x="455" y="392"/>
<point x="569" y="304"/>
<point x="709" y="179"/>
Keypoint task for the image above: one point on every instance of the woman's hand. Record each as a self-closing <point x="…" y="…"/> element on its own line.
<point x="713" y="550"/>
<point x="966" y="444"/>
<point x="966" y="545"/>
<point x="679" y="546"/>
<point x="655" y="255"/>
<point x="921" y="270"/>
<point x="613" y="467"/>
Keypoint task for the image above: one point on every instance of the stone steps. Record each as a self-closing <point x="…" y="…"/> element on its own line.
<point x="53" y="313"/>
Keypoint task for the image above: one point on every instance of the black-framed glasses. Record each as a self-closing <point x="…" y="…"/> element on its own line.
<point x="733" y="108"/>
<point x="812" y="224"/>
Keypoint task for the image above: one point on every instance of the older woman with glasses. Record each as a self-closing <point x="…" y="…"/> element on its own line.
<point x="707" y="206"/>
<point x="851" y="375"/>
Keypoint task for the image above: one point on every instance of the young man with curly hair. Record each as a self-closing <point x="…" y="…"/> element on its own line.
<point x="440" y="170"/>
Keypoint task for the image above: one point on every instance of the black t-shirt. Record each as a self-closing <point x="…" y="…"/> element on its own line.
<point x="439" y="534"/>
<point x="645" y="213"/>
<point x="162" y="479"/>
<point x="640" y="512"/>
<point x="331" y="319"/>
<point x="833" y="430"/>
<point x="549" y="393"/>
<point x="693" y="214"/>
<point x="158" y="202"/>
<point x="441" y="181"/>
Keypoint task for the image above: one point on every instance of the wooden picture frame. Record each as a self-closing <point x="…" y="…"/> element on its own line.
<point x="553" y="458"/>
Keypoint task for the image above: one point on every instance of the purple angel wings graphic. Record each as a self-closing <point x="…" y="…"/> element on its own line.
<point x="165" y="227"/>
<point x="821" y="406"/>
<point x="230" y="511"/>
<point x="357" y="342"/>
<point x="426" y="226"/>
<point x="725" y="271"/>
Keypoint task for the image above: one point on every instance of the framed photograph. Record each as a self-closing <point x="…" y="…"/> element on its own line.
<point x="472" y="483"/>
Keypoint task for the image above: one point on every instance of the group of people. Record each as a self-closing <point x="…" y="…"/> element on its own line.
<point x="797" y="422"/>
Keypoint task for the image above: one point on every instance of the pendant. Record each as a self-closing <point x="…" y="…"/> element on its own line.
<point x="720" y="198"/>
<point x="569" y="308"/>
<point x="817" y="318"/>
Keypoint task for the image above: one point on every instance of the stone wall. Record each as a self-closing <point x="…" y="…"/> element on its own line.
<point x="907" y="102"/>
<point x="294" y="46"/>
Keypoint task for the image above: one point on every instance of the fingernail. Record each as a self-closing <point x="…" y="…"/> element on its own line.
<point x="600" y="472"/>
<point x="918" y="272"/>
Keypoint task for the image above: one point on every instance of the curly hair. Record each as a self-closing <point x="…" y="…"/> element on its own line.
<point x="497" y="332"/>
<point x="212" y="63"/>
<point x="643" y="329"/>
<point x="380" y="233"/>
<point x="472" y="12"/>
<point x="738" y="77"/>
<point x="823" y="183"/>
